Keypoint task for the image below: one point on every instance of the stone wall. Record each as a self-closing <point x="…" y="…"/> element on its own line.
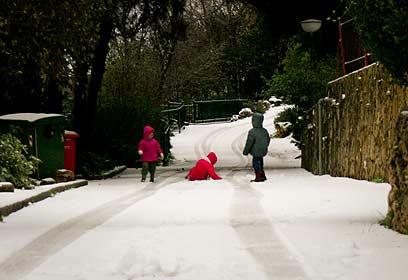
<point x="398" y="196"/>
<point x="357" y="126"/>
<point x="360" y="130"/>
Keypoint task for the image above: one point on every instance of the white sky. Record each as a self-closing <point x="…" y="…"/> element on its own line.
<point x="293" y="226"/>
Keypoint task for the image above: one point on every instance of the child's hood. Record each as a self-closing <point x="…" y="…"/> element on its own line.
<point x="146" y="131"/>
<point x="212" y="157"/>
<point x="257" y="120"/>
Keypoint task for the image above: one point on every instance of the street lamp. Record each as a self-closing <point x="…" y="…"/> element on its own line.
<point x="311" y="25"/>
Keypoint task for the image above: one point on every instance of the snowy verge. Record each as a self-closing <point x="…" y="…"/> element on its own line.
<point x="12" y="202"/>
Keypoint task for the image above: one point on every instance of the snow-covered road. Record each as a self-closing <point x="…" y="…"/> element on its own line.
<point x="293" y="226"/>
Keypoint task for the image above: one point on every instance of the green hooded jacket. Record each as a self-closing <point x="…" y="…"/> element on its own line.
<point x="258" y="138"/>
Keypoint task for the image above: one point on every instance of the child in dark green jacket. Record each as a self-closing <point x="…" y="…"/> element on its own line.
<point x="257" y="145"/>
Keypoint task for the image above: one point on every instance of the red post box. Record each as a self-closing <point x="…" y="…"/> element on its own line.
<point x="70" y="149"/>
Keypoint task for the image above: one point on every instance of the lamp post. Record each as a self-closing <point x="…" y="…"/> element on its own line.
<point x="311" y="26"/>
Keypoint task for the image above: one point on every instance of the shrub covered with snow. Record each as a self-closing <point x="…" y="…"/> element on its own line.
<point x="267" y="105"/>
<point x="282" y="129"/>
<point x="245" y="112"/>
<point x="292" y="115"/>
<point x="15" y="163"/>
<point x="274" y="101"/>
<point x="234" y="118"/>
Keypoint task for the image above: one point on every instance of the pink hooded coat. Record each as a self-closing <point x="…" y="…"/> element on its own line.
<point x="204" y="169"/>
<point x="150" y="147"/>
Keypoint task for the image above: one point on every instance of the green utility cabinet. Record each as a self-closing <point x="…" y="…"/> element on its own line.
<point x="43" y="134"/>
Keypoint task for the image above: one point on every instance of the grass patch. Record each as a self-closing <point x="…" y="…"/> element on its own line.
<point x="378" y="180"/>
<point x="387" y="221"/>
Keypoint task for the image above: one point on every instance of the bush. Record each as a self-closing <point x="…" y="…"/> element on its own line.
<point x="94" y="164"/>
<point x="15" y="163"/>
<point x="288" y="115"/>
<point x="292" y="115"/>
<point x="282" y="129"/>
<point x="303" y="81"/>
<point x="245" y="113"/>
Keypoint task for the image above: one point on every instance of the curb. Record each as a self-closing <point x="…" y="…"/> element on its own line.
<point x="108" y="174"/>
<point x="8" y="209"/>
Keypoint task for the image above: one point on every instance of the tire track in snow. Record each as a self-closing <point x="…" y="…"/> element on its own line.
<point x="204" y="145"/>
<point x="201" y="147"/>
<point x="25" y="260"/>
<point x="270" y="249"/>
<point x="237" y="148"/>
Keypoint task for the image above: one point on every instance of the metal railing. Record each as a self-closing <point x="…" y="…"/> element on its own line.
<point x="175" y="115"/>
<point x="353" y="55"/>
<point x="216" y="110"/>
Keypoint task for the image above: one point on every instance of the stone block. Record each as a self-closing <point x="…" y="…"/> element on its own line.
<point x="6" y="187"/>
<point x="64" y="175"/>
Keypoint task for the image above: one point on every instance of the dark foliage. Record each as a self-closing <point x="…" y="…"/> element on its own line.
<point x="383" y="27"/>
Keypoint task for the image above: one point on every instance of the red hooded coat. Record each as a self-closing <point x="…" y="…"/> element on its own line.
<point x="204" y="169"/>
<point x="150" y="147"/>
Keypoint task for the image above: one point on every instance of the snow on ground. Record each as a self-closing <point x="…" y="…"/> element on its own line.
<point x="329" y="224"/>
<point x="293" y="226"/>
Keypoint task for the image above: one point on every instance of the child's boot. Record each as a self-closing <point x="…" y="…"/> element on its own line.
<point x="263" y="177"/>
<point x="258" y="177"/>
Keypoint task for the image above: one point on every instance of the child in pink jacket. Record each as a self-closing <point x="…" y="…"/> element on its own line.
<point x="204" y="169"/>
<point x="149" y="149"/>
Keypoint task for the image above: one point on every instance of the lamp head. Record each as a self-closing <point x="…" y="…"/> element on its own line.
<point x="311" y="25"/>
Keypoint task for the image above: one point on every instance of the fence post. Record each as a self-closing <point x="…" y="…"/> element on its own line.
<point x="179" y="120"/>
<point x="194" y="111"/>
<point x="342" y="50"/>
<point x="365" y="58"/>
<point x="319" y="121"/>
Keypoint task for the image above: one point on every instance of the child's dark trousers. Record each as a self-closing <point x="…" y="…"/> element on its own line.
<point x="257" y="164"/>
<point x="148" y="167"/>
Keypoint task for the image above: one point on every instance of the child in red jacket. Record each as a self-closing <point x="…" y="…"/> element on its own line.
<point x="204" y="169"/>
<point x="149" y="149"/>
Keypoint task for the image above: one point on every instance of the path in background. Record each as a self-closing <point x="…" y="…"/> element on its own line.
<point x="227" y="140"/>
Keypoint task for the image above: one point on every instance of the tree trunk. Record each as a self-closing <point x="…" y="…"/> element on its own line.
<point x="164" y="69"/>
<point x="54" y="98"/>
<point x="81" y="83"/>
<point x="97" y="71"/>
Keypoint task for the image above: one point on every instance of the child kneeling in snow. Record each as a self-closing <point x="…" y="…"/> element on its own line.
<point x="204" y="169"/>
